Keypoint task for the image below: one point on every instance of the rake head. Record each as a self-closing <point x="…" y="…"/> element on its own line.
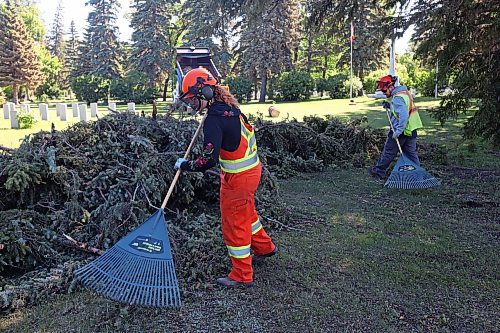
<point x="408" y="175"/>
<point x="138" y="270"/>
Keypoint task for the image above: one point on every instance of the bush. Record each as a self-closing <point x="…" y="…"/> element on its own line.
<point x="90" y="88"/>
<point x="371" y="79"/>
<point x="295" y="85"/>
<point x="50" y="89"/>
<point x="321" y="85"/>
<point x="357" y="85"/>
<point x="3" y="99"/>
<point x="25" y="120"/>
<point x="336" y="88"/>
<point x="240" y="87"/>
<point x="426" y="83"/>
<point x="133" y="88"/>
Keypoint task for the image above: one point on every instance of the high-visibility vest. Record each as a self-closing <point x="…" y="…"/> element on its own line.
<point x="414" y="121"/>
<point x="245" y="156"/>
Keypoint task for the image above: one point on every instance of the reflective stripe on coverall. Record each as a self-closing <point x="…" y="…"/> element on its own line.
<point x="241" y="227"/>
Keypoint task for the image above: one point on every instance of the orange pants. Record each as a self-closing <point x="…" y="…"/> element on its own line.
<point x="239" y="217"/>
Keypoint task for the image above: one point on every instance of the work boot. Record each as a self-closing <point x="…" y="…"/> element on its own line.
<point x="228" y="282"/>
<point x="373" y="171"/>
<point x="260" y="257"/>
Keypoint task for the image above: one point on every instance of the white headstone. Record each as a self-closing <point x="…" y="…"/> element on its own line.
<point x="131" y="107"/>
<point x="111" y="106"/>
<point x="76" y="112"/>
<point x="14" y="123"/>
<point x="6" y="111"/>
<point x="93" y="110"/>
<point x="44" y="111"/>
<point x="58" y="109"/>
<point x="63" y="111"/>
<point x="83" y="112"/>
<point x="26" y="108"/>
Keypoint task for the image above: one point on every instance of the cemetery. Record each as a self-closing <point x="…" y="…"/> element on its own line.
<point x="109" y="221"/>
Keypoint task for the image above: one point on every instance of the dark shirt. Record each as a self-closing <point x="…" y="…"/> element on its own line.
<point x="222" y="129"/>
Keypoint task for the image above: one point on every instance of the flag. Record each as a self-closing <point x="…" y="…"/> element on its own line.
<point x="352" y="31"/>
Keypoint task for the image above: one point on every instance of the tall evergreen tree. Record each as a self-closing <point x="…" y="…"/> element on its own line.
<point x="269" y="39"/>
<point x="71" y="53"/>
<point x="154" y="38"/>
<point x="19" y="64"/>
<point x="55" y="40"/>
<point x="465" y="37"/>
<point x="102" y="40"/>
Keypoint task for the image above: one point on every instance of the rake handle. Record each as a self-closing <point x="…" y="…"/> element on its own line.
<point x="178" y="173"/>
<point x="392" y="128"/>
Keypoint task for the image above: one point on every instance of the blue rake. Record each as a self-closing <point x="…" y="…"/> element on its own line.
<point x="139" y="269"/>
<point x="406" y="174"/>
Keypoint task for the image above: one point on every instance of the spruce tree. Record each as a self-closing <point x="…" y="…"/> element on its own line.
<point x="70" y="53"/>
<point x="101" y="39"/>
<point x="269" y="39"/>
<point x="154" y="39"/>
<point x="55" y="40"/>
<point x="19" y="64"/>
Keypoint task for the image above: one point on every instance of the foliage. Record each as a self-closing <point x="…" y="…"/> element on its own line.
<point x="295" y="85"/>
<point x="55" y="40"/>
<point x="133" y="88"/>
<point x="240" y="87"/>
<point x="101" y="40"/>
<point x="71" y="53"/>
<point x="336" y="87"/>
<point x="3" y="98"/>
<point x="19" y="64"/>
<point x="26" y="120"/>
<point x="32" y="19"/>
<point x="370" y="83"/>
<point x="321" y="85"/>
<point x="464" y="37"/>
<point x="357" y="85"/>
<point x="90" y="88"/>
<point x="51" y="68"/>
<point x="153" y="38"/>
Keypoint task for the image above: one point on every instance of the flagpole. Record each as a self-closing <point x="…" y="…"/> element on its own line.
<point x="351" y="39"/>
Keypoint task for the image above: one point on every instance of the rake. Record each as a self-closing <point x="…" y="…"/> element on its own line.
<point x="406" y="174"/>
<point x="139" y="269"/>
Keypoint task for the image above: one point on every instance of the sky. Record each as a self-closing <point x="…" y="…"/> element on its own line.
<point x="77" y="11"/>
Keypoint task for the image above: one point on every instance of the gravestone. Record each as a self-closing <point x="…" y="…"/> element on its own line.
<point x="26" y="108"/>
<point x="111" y="107"/>
<point x="44" y="111"/>
<point x="83" y="112"/>
<point x="93" y="110"/>
<point x="131" y="107"/>
<point x="63" y="111"/>
<point x="6" y="111"/>
<point x="76" y="112"/>
<point x="14" y="122"/>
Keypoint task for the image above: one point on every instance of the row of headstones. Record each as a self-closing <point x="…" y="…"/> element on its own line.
<point x="79" y="110"/>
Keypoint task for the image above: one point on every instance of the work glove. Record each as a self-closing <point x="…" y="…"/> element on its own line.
<point x="386" y="105"/>
<point x="179" y="162"/>
<point x="395" y="135"/>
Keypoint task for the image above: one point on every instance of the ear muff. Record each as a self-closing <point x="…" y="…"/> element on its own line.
<point x="207" y="92"/>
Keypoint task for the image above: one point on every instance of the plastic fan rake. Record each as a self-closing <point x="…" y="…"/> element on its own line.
<point x="139" y="269"/>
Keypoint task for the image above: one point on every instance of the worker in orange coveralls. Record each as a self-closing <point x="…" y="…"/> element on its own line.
<point x="229" y="138"/>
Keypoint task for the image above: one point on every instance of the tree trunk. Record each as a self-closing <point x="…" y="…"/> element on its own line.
<point x="263" y="90"/>
<point x="309" y="53"/>
<point x="15" y="91"/>
<point x="255" y="90"/>
<point x="165" y="88"/>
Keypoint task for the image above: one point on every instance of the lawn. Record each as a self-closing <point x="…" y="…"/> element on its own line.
<point x="382" y="260"/>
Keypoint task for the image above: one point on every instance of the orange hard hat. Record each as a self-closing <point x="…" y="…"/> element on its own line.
<point x="385" y="82"/>
<point x="195" y="80"/>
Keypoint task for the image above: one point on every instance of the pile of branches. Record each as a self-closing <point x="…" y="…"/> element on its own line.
<point x="95" y="182"/>
<point x="293" y="147"/>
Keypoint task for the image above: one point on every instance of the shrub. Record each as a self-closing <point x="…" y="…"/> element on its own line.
<point x="90" y="88"/>
<point x="240" y="87"/>
<point x="357" y="85"/>
<point x="50" y="89"/>
<point x="295" y="85"/>
<point x="3" y="99"/>
<point x="25" y="120"/>
<point x="321" y="85"/>
<point x="133" y="88"/>
<point x="426" y="83"/>
<point x="336" y="86"/>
